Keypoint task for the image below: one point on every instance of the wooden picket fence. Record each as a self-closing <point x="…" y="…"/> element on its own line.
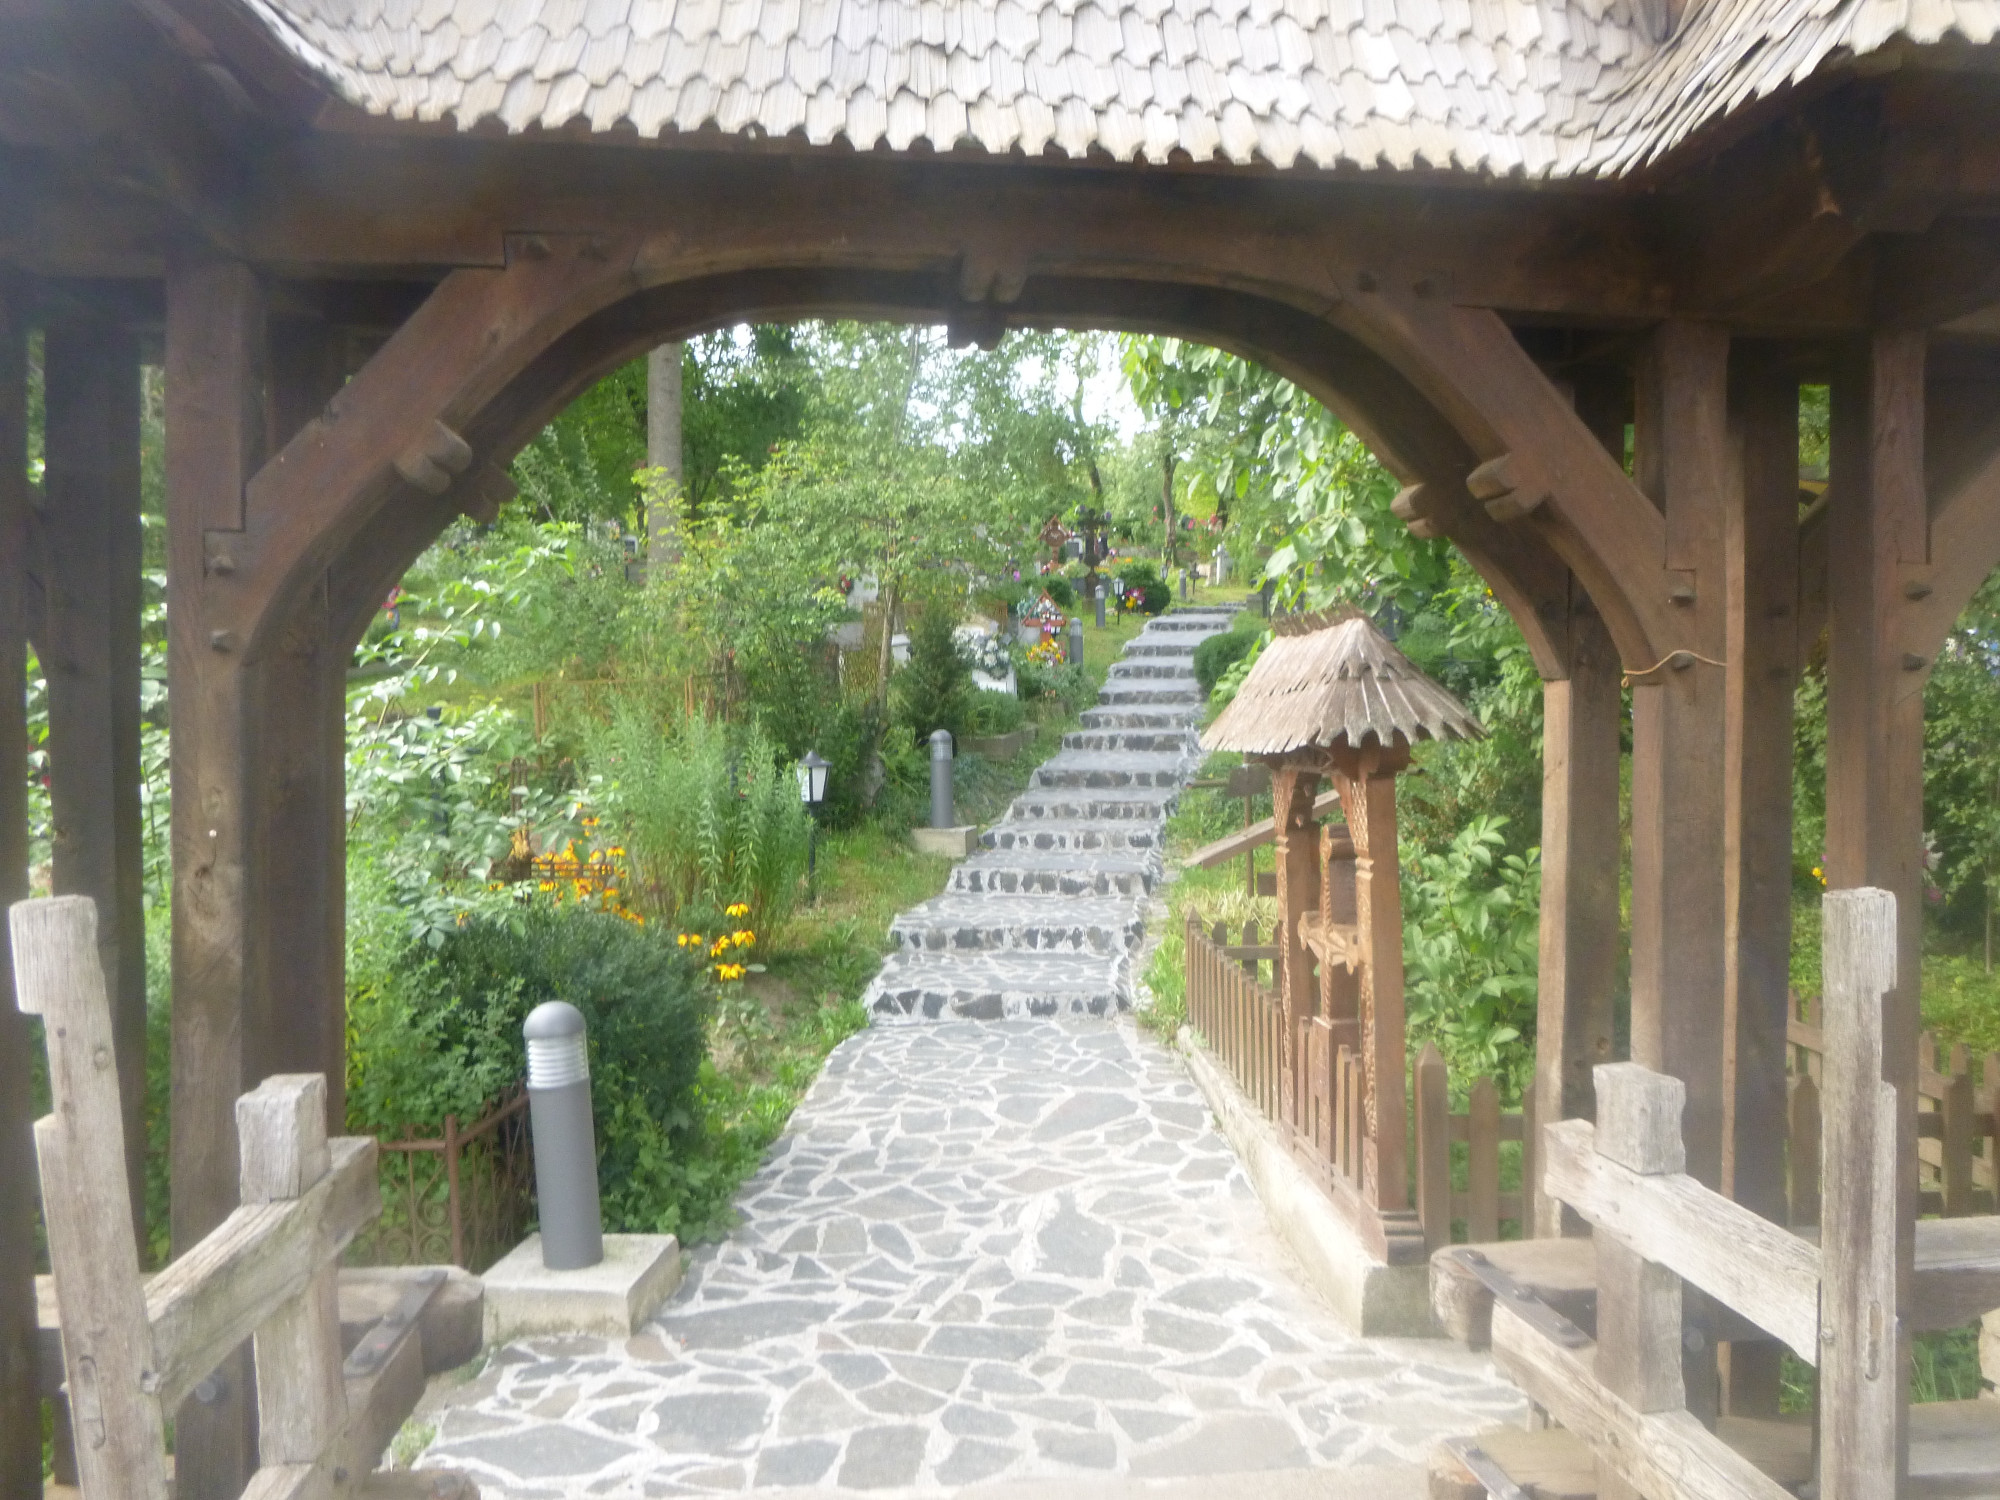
<point x="1240" y="1019"/>
<point x="1956" y="1107"/>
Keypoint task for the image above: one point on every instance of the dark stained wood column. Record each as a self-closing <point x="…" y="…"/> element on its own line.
<point x="90" y="657"/>
<point x="1581" y="851"/>
<point x="1683" y="461"/>
<point x="1763" y="650"/>
<point x="1877" y="541"/>
<point x="20" y="1411"/>
<point x="215" y="436"/>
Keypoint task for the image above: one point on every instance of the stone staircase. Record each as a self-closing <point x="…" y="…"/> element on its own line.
<point x="1045" y="919"/>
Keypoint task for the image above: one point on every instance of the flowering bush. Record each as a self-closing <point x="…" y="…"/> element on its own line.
<point x="1047" y="652"/>
<point x="985" y="653"/>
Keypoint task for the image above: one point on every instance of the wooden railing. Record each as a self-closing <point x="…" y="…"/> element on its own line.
<point x="464" y="1197"/>
<point x="132" y="1348"/>
<point x="1482" y="1206"/>
<point x="1239" y="1017"/>
<point x="1956" y="1107"/>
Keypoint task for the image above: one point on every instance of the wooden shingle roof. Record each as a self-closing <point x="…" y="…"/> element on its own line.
<point x="1543" y="88"/>
<point x="1331" y="682"/>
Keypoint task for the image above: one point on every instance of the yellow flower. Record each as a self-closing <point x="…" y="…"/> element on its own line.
<point x="738" y="909"/>
<point x="744" y="938"/>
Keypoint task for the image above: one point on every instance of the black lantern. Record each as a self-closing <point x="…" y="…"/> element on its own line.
<point x="812" y="791"/>
<point x="812" y="779"/>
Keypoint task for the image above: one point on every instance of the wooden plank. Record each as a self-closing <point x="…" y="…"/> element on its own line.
<point x="1957" y="1143"/>
<point x="1432" y="1097"/>
<point x="1803" y="1146"/>
<point x="1867" y="1254"/>
<point x="89" y="648"/>
<point x="1954" y="1448"/>
<point x="1768" y="1275"/>
<point x="301" y="1405"/>
<point x="212" y="1298"/>
<point x="109" y="1359"/>
<point x="20" y="1411"/>
<point x="1659" y="1453"/>
<point x="1482" y="1216"/>
<point x="1582" y="715"/>
<point x="1367" y="788"/>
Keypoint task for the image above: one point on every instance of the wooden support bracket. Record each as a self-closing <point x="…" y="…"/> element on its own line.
<point x="432" y="461"/>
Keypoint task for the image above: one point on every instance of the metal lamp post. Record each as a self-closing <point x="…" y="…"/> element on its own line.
<point x="565" y="1145"/>
<point x="941" y="748"/>
<point x="812" y="791"/>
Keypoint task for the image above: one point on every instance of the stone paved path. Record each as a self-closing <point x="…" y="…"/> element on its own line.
<point x="1013" y="1253"/>
<point x="1047" y="917"/>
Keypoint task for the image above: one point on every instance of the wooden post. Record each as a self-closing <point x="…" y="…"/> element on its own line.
<point x="90" y="656"/>
<point x="1639" y="1114"/>
<point x="1683" y="460"/>
<point x="1762" y="572"/>
<point x="107" y="1345"/>
<point x="1581" y="838"/>
<point x="1296" y="852"/>
<point x="1482" y="1162"/>
<point x="1368" y="797"/>
<point x="216" y="349"/>
<point x="301" y="1402"/>
<point x="1803" y="1142"/>
<point x="1867" y="1240"/>
<point x="20" y="1408"/>
<point x="1877" y="522"/>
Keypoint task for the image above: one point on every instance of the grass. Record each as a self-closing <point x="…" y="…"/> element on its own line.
<point x="1943" y="1367"/>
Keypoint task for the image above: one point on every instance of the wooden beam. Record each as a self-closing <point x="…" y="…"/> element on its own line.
<point x="1867" y="1235"/>
<point x="20" y="1410"/>
<point x="1582" y="714"/>
<point x="90" y="655"/>
<point x="1682" y="455"/>
<point x="1255" y="836"/>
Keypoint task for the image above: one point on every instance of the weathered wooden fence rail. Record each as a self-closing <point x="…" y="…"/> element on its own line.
<point x="1240" y="1018"/>
<point x="133" y="1349"/>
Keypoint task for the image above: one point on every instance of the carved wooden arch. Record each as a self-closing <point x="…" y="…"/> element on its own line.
<point x="586" y="313"/>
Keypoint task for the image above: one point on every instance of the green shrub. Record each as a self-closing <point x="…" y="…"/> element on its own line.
<point x="442" y="1034"/>
<point x="1219" y="653"/>
<point x="707" y="817"/>
<point x="991" y="713"/>
<point x="1143" y="580"/>
<point x="1059" y="589"/>
<point x="934" y="691"/>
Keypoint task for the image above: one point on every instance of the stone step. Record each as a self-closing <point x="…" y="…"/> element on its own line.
<point x="1151" y="671"/>
<point x="1142" y="804"/>
<point x="1167" y="649"/>
<point x="1141" y="716"/>
<point x="1115" y="697"/>
<point x="1056" y="835"/>
<point x="1033" y="872"/>
<point x="1177" y="623"/>
<point x="1179" y="741"/>
<point x="912" y="988"/>
<point x="955" y="923"/>
<point x="1107" y="768"/>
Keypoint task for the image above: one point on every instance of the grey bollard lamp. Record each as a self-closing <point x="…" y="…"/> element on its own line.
<point x="1100" y="604"/>
<point x="565" y="1145"/>
<point x="1075" y="653"/>
<point x="941" y="778"/>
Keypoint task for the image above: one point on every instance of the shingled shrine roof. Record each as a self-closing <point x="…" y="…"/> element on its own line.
<point x="1334" y="680"/>
<point x="1543" y="88"/>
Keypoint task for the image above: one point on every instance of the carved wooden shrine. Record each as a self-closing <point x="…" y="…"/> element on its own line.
<point x="1564" y="265"/>
<point x="1331" y="698"/>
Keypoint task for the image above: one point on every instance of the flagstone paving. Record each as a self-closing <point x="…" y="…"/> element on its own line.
<point x="999" y="1251"/>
